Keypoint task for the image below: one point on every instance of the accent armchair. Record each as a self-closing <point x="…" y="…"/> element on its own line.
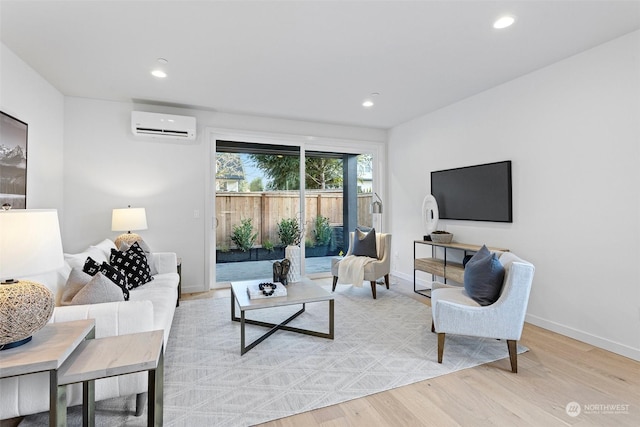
<point x="372" y="270"/>
<point x="454" y="312"/>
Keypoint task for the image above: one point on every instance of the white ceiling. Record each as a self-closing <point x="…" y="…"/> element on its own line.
<point x="307" y="60"/>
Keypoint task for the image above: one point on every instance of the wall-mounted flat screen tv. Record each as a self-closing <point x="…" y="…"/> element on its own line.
<point x="474" y="193"/>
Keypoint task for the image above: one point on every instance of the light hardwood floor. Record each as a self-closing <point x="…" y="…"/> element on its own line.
<point x="554" y="372"/>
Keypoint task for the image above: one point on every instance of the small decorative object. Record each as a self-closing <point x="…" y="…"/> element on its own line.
<point x="281" y="270"/>
<point x="266" y="290"/>
<point x="430" y="214"/>
<point x="292" y="253"/>
<point x="286" y="266"/>
<point x="441" y="237"/>
<point x="30" y="244"/>
<point x="128" y="219"/>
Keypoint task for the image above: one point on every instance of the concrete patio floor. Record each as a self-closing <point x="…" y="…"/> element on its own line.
<point x="248" y="270"/>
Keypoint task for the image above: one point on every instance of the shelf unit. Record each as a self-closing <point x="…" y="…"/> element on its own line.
<point x="441" y="267"/>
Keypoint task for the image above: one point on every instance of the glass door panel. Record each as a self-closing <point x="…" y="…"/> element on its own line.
<point x="257" y="186"/>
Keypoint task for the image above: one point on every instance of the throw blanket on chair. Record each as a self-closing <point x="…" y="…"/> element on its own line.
<point x="351" y="269"/>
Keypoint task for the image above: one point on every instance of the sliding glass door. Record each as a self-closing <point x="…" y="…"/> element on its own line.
<point x="257" y="187"/>
<point x="261" y="188"/>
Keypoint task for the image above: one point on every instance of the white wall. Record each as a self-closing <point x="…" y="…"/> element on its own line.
<point x="107" y="167"/>
<point x="24" y="94"/>
<point x="572" y="131"/>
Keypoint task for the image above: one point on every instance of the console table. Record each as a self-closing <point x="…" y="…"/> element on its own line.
<point x="442" y="267"/>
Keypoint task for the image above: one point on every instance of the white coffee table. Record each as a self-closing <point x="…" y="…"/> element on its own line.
<point x="302" y="292"/>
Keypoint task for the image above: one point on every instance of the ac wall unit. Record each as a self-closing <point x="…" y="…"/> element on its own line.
<point x="165" y="126"/>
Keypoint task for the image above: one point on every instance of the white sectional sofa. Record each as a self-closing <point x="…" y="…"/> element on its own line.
<point x="150" y="307"/>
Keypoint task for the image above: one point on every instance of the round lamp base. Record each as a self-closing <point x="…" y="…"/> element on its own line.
<point x="25" y="307"/>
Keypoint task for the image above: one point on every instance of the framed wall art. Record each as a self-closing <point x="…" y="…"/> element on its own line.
<point x="13" y="162"/>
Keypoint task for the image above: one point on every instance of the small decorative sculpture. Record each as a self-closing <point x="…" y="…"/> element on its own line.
<point x="280" y="271"/>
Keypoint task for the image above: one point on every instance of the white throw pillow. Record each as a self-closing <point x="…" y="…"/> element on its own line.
<point x="98" y="290"/>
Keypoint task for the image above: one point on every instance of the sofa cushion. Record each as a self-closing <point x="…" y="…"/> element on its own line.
<point x="116" y="277"/>
<point x="77" y="280"/>
<point x="124" y="246"/>
<point x="133" y="263"/>
<point x="91" y="267"/>
<point x="98" y="290"/>
<point x="99" y="252"/>
<point x="483" y="277"/>
<point x="364" y="244"/>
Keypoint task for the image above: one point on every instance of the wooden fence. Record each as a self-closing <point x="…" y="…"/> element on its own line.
<point x="267" y="209"/>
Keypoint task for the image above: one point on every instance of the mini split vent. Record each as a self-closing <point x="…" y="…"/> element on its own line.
<point x="164" y="126"/>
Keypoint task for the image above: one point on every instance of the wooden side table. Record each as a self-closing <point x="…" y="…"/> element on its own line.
<point x="47" y="351"/>
<point x="113" y="356"/>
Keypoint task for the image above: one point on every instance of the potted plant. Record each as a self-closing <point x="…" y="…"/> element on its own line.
<point x="322" y="234"/>
<point x="243" y="235"/>
<point x="290" y="234"/>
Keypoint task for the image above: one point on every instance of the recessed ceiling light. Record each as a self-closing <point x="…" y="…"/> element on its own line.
<point x="159" y="74"/>
<point x="504" y="22"/>
<point x="368" y="102"/>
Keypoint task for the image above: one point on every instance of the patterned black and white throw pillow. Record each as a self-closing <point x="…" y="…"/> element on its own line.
<point x="116" y="277"/>
<point x="133" y="263"/>
<point x="91" y="267"/>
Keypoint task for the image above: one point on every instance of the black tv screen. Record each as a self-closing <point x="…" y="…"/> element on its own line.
<point x="474" y="193"/>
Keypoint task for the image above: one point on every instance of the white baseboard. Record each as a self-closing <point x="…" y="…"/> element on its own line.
<point x="612" y="346"/>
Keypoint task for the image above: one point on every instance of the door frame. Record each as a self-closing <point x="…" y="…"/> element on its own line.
<point x="304" y="142"/>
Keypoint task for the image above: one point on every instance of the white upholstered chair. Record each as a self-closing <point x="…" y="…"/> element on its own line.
<point x="373" y="270"/>
<point x="454" y="312"/>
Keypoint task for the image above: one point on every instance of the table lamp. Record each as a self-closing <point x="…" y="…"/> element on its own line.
<point x="128" y="219"/>
<point x="30" y="244"/>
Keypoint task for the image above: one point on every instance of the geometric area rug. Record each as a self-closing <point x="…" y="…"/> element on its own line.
<point x="378" y="345"/>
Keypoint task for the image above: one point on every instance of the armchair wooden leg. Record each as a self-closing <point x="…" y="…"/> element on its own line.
<point x="335" y="282"/>
<point x="440" y="346"/>
<point x="386" y="280"/>
<point x="373" y="288"/>
<point x="513" y="355"/>
<point x="433" y="326"/>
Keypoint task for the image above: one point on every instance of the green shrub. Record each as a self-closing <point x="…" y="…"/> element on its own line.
<point x="308" y="243"/>
<point x="322" y="231"/>
<point x="289" y="232"/>
<point x="243" y="235"/>
<point x="268" y="245"/>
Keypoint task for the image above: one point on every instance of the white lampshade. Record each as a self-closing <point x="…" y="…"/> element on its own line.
<point x="30" y="242"/>
<point x="128" y="219"/>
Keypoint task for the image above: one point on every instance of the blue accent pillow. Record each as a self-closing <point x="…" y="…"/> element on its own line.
<point x="364" y="244"/>
<point x="483" y="277"/>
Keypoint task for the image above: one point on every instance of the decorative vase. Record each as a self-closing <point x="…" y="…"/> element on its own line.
<point x="292" y="253"/>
